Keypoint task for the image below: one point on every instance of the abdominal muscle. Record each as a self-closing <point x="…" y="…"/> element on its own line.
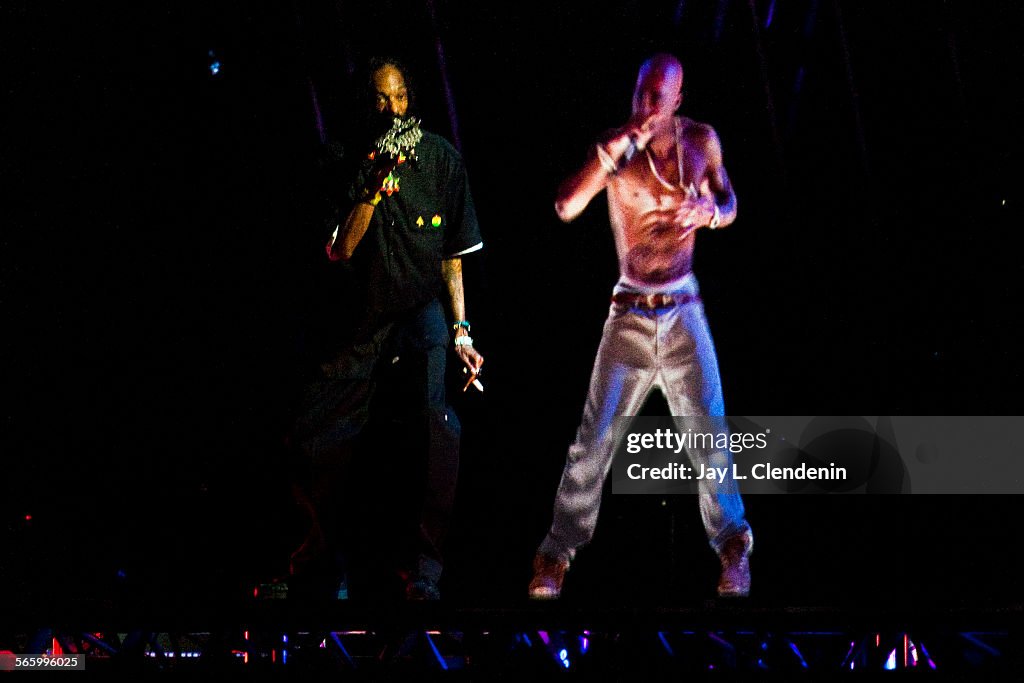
<point x="648" y="242"/>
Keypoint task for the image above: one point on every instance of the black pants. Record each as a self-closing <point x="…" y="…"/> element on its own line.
<point x="377" y="414"/>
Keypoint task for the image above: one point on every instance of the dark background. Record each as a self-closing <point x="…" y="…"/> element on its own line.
<point x="159" y="258"/>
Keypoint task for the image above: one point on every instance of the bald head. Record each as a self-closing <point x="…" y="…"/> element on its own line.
<point x="665" y="64"/>
<point x="659" y="86"/>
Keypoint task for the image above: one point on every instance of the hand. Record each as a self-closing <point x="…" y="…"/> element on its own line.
<point x="694" y="212"/>
<point x="638" y="130"/>
<point x="472" y="360"/>
<point x="641" y="129"/>
<point x="382" y="168"/>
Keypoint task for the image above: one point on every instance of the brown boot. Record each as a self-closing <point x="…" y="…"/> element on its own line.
<point x="735" y="579"/>
<point x="548" y="574"/>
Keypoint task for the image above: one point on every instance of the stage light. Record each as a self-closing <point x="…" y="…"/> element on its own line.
<point x="799" y="655"/>
<point x="927" y="657"/>
<point x="890" y="663"/>
<point x="214" y="63"/>
<point x="664" y="644"/>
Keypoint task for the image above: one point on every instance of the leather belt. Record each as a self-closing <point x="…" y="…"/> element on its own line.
<point x="653" y="301"/>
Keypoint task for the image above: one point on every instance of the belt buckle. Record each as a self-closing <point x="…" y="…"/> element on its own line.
<point x="649" y="301"/>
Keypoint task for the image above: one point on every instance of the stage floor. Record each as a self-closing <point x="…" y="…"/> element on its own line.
<point x="724" y="639"/>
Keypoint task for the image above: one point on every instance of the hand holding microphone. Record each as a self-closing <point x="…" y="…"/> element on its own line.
<point x="377" y="181"/>
<point x="639" y="134"/>
<point x="634" y="145"/>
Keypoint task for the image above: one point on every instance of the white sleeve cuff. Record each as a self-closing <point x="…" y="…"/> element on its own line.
<point x="476" y="247"/>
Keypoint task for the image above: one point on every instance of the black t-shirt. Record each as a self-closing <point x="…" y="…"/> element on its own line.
<point x="430" y="216"/>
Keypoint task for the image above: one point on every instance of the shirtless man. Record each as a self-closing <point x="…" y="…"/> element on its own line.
<point x="665" y="180"/>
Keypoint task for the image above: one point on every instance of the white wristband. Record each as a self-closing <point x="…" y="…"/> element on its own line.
<point x="464" y="340"/>
<point x="716" y="219"/>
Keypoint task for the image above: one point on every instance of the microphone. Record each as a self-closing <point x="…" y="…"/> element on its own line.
<point x="630" y="151"/>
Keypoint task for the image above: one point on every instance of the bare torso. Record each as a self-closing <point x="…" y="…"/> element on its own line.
<point x="644" y="198"/>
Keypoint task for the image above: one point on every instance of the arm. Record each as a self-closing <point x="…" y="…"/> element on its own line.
<point x="451" y="271"/>
<point x="348" y="235"/>
<point x="718" y="181"/>
<point x="346" y="238"/>
<point x="576" y="191"/>
<point x="700" y="212"/>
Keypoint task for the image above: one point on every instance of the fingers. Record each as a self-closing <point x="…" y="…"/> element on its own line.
<point x="641" y="129"/>
<point x="693" y="212"/>
<point x="687" y="231"/>
<point x="471" y="358"/>
<point x="645" y="131"/>
<point x="644" y="124"/>
<point x="385" y="171"/>
<point x="687" y="214"/>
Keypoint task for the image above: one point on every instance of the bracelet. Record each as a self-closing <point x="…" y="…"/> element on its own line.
<point x="461" y="323"/>
<point x="464" y="340"/>
<point x="716" y="219"/>
<point x="374" y="200"/>
<point x="606" y="159"/>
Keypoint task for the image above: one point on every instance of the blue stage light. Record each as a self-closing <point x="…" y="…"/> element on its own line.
<point x="214" y="63"/>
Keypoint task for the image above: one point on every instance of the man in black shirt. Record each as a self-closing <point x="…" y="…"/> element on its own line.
<point x="403" y="223"/>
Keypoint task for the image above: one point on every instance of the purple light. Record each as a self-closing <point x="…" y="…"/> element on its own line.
<point x="771" y="14"/>
<point x="927" y="657"/>
<point x="318" y="117"/>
